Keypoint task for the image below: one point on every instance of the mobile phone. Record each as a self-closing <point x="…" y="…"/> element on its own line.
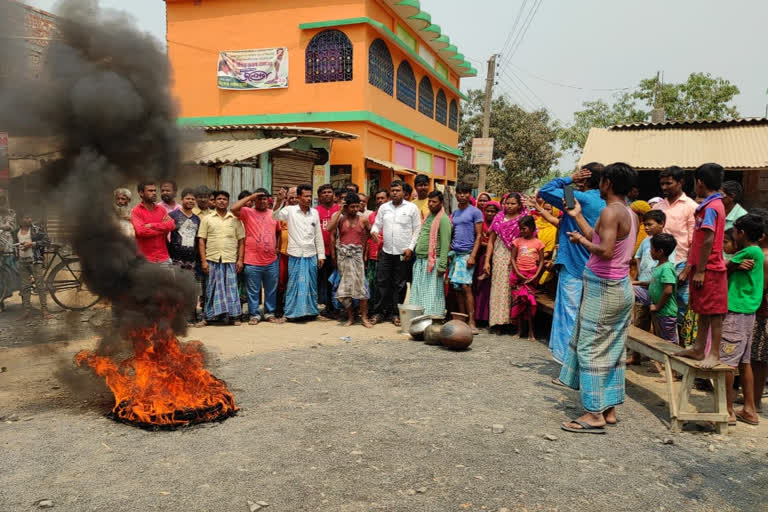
<point x="570" y="201"/>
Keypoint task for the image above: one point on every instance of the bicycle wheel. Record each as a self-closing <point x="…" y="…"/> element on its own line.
<point x="65" y="283"/>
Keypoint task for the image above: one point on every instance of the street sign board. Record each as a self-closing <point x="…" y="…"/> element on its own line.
<point x="482" y="151"/>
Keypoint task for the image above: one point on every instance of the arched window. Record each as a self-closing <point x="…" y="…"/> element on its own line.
<point x="381" y="71"/>
<point x="329" y="58"/>
<point x="406" y="84"/>
<point x="453" y="116"/>
<point x="426" y="98"/>
<point x="441" y="108"/>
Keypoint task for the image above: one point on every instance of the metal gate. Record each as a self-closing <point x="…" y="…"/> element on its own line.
<point x="236" y="178"/>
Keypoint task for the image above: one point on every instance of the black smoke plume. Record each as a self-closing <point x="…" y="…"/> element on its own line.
<point x="102" y="90"/>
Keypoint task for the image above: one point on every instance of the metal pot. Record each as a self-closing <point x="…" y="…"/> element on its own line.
<point x="418" y="325"/>
<point x="432" y="334"/>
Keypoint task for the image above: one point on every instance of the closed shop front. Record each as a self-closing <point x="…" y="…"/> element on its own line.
<point x="291" y="171"/>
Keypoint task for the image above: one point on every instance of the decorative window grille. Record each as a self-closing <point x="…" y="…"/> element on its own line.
<point x="453" y="116"/>
<point x="329" y="58"/>
<point x="381" y="71"/>
<point x="406" y="84"/>
<point x="441" y="108"/>
<point x="426" y="98"/>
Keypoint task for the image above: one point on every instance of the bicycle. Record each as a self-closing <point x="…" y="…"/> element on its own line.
<point x="63" y="280"/>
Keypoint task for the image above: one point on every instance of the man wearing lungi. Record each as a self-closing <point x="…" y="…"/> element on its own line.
<point x="349" y="235"/>
<point x="222" y="248"/>
<point x="571" y="258"/>
<point x="432" y="248"/>
<point x="595" y="362"/>
<point x="306" y="252"/>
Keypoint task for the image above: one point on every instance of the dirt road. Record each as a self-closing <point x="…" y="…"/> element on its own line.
<point x="374" y="423"/>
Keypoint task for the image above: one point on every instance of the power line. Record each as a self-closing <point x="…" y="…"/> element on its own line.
<point x="517" y="94"/>
<point x="533" y="99"/>
<point x="558" y="84"/>
<point x="514" y="26"/>
<point x="524" y="30"/>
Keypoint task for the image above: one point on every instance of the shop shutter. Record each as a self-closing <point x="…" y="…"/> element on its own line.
<point x="289" y="171"/>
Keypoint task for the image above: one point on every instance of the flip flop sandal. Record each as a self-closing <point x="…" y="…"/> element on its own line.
<point x="586" y="428"/>
<point x="558" y="382"/>
<point x="743" y="419"/>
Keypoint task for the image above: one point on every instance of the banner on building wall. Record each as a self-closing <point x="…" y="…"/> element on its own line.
<point x="265" y="68"/>
<point x="482" y="151"/>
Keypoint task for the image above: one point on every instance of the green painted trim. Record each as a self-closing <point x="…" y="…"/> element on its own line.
<point x="334" y="23"/>
<point x="458" y="56"/>
<point x="422" y="16"/>
<point x="410" y="3"/>
<point x="435" y="29"/>
<point x="393" y="38"/>
<point x="450" y="49"/>
<point x="443" y="39"/>
<point x="320" y="117"/>
<point x="465" y="64"/>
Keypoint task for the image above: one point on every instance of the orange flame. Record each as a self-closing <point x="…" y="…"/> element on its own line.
<point x="164" y="383"/>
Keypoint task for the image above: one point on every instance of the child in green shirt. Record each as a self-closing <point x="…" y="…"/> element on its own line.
<point x="662" y="289"/>
<point x="745" y="293"/>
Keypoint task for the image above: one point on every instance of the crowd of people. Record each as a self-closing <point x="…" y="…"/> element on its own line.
<point x="690" y="269"/>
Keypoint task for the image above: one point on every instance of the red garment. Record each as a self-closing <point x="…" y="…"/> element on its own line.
<point x="710" y="216"/>
<point x="712" y="297"/>
<point x="351" y="235"/>
<point x="152" y="232"/>
<point x="325" y="217"/>
<point x="373" y="247"/>
<point x="260" y="240"/>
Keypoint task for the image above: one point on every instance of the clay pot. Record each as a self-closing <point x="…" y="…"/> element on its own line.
<point x="456" y="334"/>
<point x="432" y="334"/>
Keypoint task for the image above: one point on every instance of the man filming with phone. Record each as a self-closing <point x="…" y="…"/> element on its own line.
<point x="583" y="186"/>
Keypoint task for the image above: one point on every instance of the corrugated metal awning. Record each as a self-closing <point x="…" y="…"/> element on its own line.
<point x="734" y="146"/>
<point x="309" y="131"/>
<point x="390" y="165"/>
<point x="211" y="152"/>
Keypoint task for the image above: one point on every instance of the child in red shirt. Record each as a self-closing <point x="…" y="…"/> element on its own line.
<point x="527" y="260"/>
<point x="706" y="266"/>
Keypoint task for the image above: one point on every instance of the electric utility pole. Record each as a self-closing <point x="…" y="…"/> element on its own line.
<point x="489" y="82"/>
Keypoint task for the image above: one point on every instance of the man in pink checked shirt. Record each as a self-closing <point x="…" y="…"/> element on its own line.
<point x="152" y="225"/>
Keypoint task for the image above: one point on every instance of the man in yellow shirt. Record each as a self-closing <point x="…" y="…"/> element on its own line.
<point x="202" y="198"/>
<point x="222" y="248"/>
<point x="421" y="184"/>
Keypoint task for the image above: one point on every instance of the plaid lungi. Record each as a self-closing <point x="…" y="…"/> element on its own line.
<point x="223" y="297"/>
<point x="349" y="260"/>
<point x="427" y="289"/>
<point x="595" y="363"/>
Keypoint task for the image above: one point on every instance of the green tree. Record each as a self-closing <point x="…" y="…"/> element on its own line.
<point x="525" y="143"/>
<point x="700" y="97"/>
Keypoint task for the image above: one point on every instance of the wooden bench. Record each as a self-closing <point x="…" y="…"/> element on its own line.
<point x="665" y="352"/>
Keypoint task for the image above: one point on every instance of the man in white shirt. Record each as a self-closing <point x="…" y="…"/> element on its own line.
<point x="306" y="252"/>
<point x="398" y="223"/>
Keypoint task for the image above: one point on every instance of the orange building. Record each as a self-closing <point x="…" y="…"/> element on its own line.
<point x="379" y="69"/>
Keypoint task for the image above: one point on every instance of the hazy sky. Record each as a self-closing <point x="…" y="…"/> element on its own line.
<point x="590" y="44"/>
